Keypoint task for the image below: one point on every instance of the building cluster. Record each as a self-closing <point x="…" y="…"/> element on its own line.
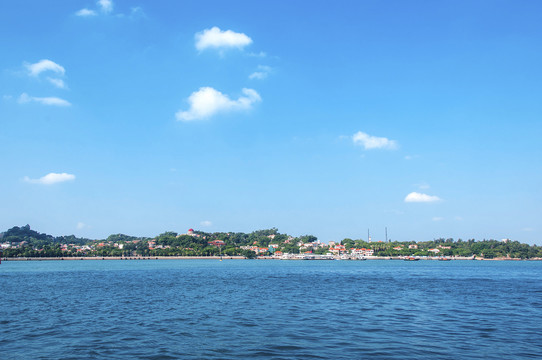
<point x="341" y="250"/>
<point x="71" y="247"/>
<point x="78" y="248"/>
<point x="192" y="233"/>
<point x="311" y="245"/>
<point x="8" y="245"/>
<point x="260" y="250"/>
<point x="306" y="249"/>
<point x="152" y="245"/>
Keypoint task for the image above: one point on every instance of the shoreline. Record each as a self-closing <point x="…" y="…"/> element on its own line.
<point x="126" y="258"/>
<point x="139" y="258"/>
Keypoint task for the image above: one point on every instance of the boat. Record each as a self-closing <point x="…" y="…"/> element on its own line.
<point x="411" y="258"/>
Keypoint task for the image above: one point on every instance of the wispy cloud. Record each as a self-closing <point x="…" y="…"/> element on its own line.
<point x="51" y="178"/>
<point x="373" y="142"/>
<point x="86" y="12"/>
<point x="437" y="218"/>
<point x="81" y="225"/>
<point x="423" y="186"/>
<point x="206" y="223"/>
<point x="207" y="102"/>
<point x="135" y="13"/>
<point x="262" y="72"/>
<point x="419" y="197"/>
<point x="217" y="39"/>
<point x="106" y="6"/>
<point x="59" y="83"/>
<point x="44" y="65"/>
<point x="52" y="101"/>
<point x="47" y="66"/>
<point x="103" y="6"/>
<point x="260" y="54"/>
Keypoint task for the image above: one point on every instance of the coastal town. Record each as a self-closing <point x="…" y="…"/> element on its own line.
<point x="25" y="243"/>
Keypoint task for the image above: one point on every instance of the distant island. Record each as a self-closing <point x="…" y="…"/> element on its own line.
<point x="23" y="242"/>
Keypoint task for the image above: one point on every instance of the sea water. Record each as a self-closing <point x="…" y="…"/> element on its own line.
<point x="269" y="309"/>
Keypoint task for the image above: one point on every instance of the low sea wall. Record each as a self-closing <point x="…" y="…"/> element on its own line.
<point x="125" y="258"/>
<point x="136" y="258"/>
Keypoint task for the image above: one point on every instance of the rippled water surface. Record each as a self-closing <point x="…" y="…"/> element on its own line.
<point x="205" y="309"/>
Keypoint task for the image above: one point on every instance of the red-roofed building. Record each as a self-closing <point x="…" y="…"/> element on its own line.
<point x="338" y="249"/>
<point x="216" y="243"/>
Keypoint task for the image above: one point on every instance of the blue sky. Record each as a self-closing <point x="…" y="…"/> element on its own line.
<point x="139" y="117"/>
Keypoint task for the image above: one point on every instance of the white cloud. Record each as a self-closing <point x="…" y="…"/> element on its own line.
<point x="53" y="101"/>
<point x="81" y="225"/>
<point x="86" y="12"/>
<point x="419" y="197"/>
<point x="373" y="142"/>
<point x="44" y="65"/>
<point x="106" y="6"/>
<point x="437" y="218"/>
<point x="206" y="223"/>
<point x="262" y="73"/>
<point x="207" y="102"/>
<point x="59" y="83"/>
<point x="50" y="179"/>
<point x="218" y="39"/>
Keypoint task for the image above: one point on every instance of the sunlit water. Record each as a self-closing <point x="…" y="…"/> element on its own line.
<point x="205" y="309"/>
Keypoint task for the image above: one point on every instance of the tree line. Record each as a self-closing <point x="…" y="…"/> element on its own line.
<point x="25" y="242"/>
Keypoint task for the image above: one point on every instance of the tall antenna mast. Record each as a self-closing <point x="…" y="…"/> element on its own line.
<point x="368" y="236"/>
<point x="386" y="234"/>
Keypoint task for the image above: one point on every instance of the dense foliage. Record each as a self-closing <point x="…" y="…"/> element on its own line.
<point x="488" y="249"/>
